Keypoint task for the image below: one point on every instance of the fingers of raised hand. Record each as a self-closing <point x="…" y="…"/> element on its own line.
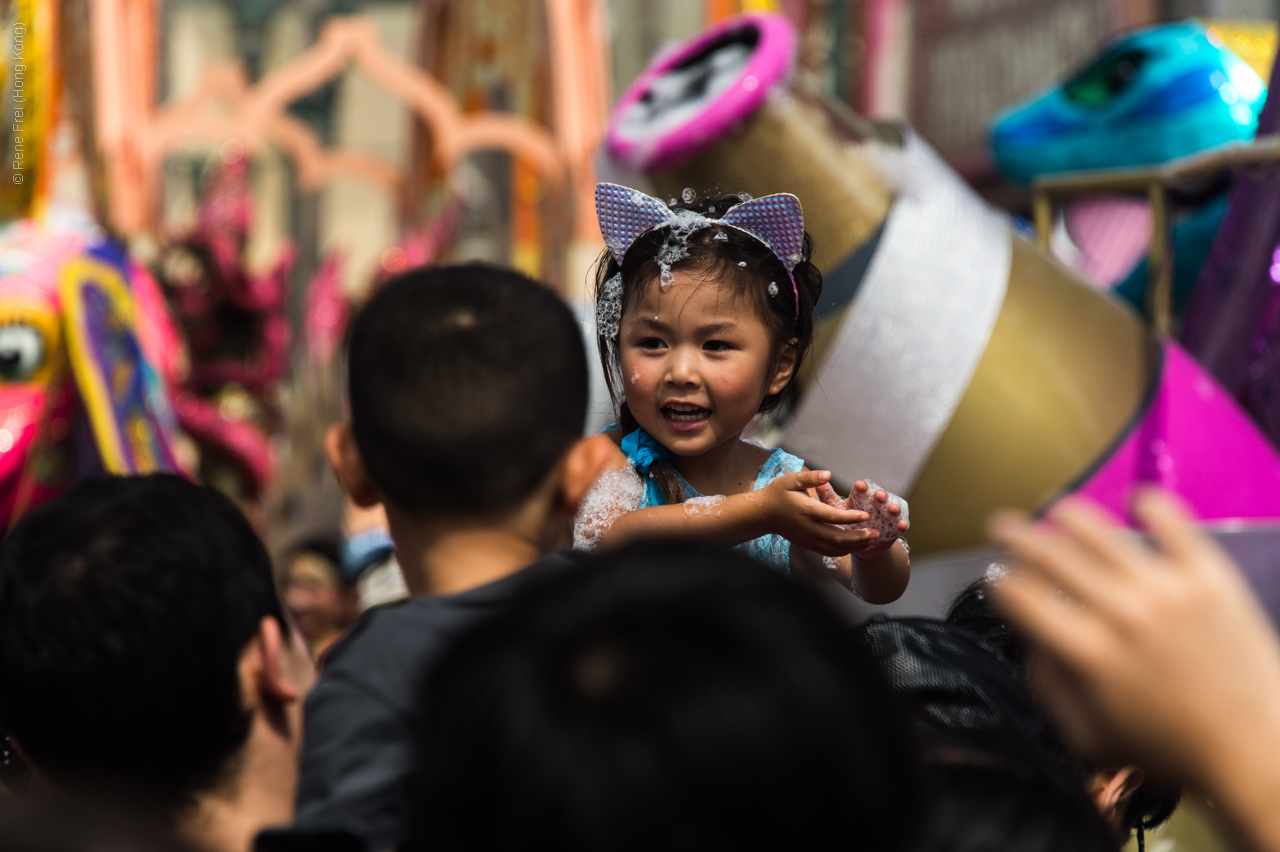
<point x="1056" y="557"/>
<point x="1172" y="526"/>
<point x="1049" y="618"/>
<point x="1096" y="532"/>
<point x="861" y="486"/>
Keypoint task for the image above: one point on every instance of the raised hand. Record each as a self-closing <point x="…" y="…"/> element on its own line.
<point x="1157" y="654"/>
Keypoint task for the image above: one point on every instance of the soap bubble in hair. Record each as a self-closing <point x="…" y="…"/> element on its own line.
<point x="609" y="308"/>
<point x="688" y="195"/>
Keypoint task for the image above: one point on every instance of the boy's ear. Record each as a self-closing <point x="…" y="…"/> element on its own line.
<point x="282" y="669"/>
<point x="276" y="673"/>
<point x="585" y="461"/>
<point x="1112" y="790"/>
<point x="785" y="368"/>
<point x="344" y="457"/>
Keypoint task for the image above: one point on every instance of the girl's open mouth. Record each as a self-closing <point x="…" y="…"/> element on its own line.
<point x="681" y="416"/>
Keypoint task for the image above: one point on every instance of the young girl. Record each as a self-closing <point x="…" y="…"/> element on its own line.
<point x="704" y="316"/>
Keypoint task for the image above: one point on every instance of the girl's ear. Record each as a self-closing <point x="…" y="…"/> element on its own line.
<point x="786" y="366"/>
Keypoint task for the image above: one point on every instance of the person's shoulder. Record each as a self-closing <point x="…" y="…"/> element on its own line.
<point x="612" y="440"/>
<point x="412" y="626"/>
<point x="386" y="630"/>
<point x="496" y="594"/>
<point x="770" y="463"/>
<point x="758" y="454"/>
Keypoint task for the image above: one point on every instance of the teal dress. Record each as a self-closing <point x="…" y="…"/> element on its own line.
<point x="642" y="451"/>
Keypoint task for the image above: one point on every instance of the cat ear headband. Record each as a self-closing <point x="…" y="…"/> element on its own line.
<point x="775" y="220"/>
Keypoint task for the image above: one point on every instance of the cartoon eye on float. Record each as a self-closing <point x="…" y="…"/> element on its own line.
<point x="1109" y="76"/>
<point x="22" y="352"/>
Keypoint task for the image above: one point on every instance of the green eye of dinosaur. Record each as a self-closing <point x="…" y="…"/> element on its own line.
<point x="21" y="352"/>
<point x="1106" y="78"/>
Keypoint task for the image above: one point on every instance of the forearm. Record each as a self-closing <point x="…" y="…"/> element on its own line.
<point x="1242" y="778"/>
<point x="739" y="518"/>
<point x="882" y="578"/>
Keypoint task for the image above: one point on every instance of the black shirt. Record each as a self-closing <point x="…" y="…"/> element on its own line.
<point x="358" y="745"/>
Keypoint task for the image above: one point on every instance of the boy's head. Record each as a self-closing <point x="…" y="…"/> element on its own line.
<point x="468" y="384"/>
<point x="129" y="608"/>
<point x="666" y="696"/>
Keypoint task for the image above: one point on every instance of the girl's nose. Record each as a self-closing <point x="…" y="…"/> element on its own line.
<point x="682" y="368"/>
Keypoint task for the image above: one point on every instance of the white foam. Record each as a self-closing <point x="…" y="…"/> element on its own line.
<point x="615" y="492"/>
<point x="702" y="505"/>
<point x="609" y="308"/>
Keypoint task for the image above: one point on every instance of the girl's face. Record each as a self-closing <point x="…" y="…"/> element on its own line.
<point x="697" y="363"/>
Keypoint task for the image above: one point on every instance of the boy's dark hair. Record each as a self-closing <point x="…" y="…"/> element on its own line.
<point x="47" y="824"/>
<point x="973" y="609"/>
<point x="739" y="261"/>
<point x="467" y="385"/>
<point x="666" y="696"/>
<point x="125" y="606"/>
<point x="983" y="802"/>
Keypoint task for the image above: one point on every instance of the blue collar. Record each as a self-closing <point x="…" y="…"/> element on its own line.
<point x="642" y="450"/>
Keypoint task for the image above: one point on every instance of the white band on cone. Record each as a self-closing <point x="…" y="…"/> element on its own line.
<point x="908" y="348"/>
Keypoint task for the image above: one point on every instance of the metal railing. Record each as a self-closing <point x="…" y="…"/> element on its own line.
<point x="1155" y="182"/>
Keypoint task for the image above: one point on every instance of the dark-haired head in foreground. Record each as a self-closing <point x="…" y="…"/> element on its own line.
<point x="468" y="389"/>
<point x="144" y="656"/>
<point x="51" y="825"/>
<point x="666" y="696"/>
<point x="994" y="789"/>
<point x="468" y="384"/>
<point x="1127" y="799"/>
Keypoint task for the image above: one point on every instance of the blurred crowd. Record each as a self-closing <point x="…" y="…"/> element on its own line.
<point x="487" y="687"/>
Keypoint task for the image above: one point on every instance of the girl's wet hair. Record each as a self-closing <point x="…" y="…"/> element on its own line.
<point x="737" y="261"/>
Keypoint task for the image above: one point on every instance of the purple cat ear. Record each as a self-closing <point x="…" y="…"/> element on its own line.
<point x="777" y="220"/>
<point x="624" y="214"/>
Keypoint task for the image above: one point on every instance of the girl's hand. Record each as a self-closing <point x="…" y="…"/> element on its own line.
<point x="886" y="513"/>
<point x="792" y="512"/>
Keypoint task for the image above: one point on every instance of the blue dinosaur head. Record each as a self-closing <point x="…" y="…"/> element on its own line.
<point x="1147" y="97"/>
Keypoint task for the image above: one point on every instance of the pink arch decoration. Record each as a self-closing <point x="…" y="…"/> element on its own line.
<point x="136" y="137"/>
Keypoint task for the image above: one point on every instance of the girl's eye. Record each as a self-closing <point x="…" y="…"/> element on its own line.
<point x="716" y="346"/>
<point x="651" y="343"/>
